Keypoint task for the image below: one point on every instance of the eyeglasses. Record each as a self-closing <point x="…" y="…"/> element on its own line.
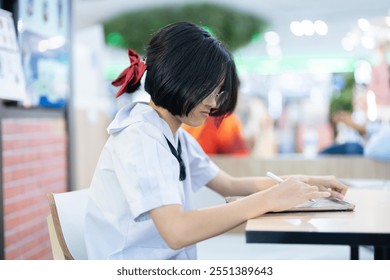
<point x="214" y="96"/>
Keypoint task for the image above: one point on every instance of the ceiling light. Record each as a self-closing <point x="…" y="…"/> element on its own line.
<point x="387" y="21"/>
<point x="368" y="42"/>
<point x="364" y="24"/>
<point x="353" y="37"/>
<point x="347" y="44"/>
<point x="296" y="28"/>
<point x="308" y="27"/>
<point x="320" y="27"/>
<point x="272" y="38"/>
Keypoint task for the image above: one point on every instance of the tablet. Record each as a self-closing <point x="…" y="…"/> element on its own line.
<point x="316" y="205"/>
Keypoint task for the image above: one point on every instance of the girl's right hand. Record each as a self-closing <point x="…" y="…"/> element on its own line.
<point x="292" y="192"/>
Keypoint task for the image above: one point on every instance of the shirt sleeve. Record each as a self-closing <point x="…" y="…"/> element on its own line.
<point x="202" y="168"/>
<point x="145" y="169"/>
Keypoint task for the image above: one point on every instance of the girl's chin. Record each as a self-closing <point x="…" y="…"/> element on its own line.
<point x="196" y="123"/>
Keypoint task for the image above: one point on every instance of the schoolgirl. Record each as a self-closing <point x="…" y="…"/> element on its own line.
<point x="140" y="195"/>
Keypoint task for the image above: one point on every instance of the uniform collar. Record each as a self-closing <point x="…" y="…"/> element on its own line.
<point x="141" y="110"/>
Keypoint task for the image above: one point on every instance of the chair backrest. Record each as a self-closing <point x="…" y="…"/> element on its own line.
<point x="66" y="224"/>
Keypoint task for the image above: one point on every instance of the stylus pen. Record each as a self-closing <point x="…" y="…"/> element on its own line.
<point x="278" y="179"/>
<point x="275" y="177"/>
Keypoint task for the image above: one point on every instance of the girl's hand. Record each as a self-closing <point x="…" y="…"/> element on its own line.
<point x="329" y="183"/>
<point x="292" y="192"/>
<point x="325" y="183"/>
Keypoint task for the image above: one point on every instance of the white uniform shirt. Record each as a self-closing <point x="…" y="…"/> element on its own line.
<point x="136" y="173"/>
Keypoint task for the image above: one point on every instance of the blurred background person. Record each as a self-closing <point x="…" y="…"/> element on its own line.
<point x="348" y="119"/>
<point x="258" y="126"/>
<point x="349" y="135"/>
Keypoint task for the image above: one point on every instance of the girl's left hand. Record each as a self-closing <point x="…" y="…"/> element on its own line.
<point x="329" y="183"/>
<point x="325" y="183"/>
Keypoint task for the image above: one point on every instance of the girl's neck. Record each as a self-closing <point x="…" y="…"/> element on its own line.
<point x="173" y="122"/>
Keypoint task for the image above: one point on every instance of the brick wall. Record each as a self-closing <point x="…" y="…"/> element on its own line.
<point x="34" y="164"/>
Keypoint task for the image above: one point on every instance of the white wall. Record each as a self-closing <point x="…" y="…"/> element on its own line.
<point x="93" y="105"/>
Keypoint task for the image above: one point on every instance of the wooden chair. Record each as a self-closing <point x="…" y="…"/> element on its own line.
<point x="66" y="224"/>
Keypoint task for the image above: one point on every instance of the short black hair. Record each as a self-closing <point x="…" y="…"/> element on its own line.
<point x="185" y="64"/>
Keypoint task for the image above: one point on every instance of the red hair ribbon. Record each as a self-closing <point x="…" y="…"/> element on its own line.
<point x="132" y="75"/>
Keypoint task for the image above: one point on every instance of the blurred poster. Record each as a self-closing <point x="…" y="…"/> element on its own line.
<point x="12" y="85"/>
<point x="44" y="32"/>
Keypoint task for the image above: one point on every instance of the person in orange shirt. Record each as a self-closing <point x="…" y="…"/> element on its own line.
<point x="227" y="138"/>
